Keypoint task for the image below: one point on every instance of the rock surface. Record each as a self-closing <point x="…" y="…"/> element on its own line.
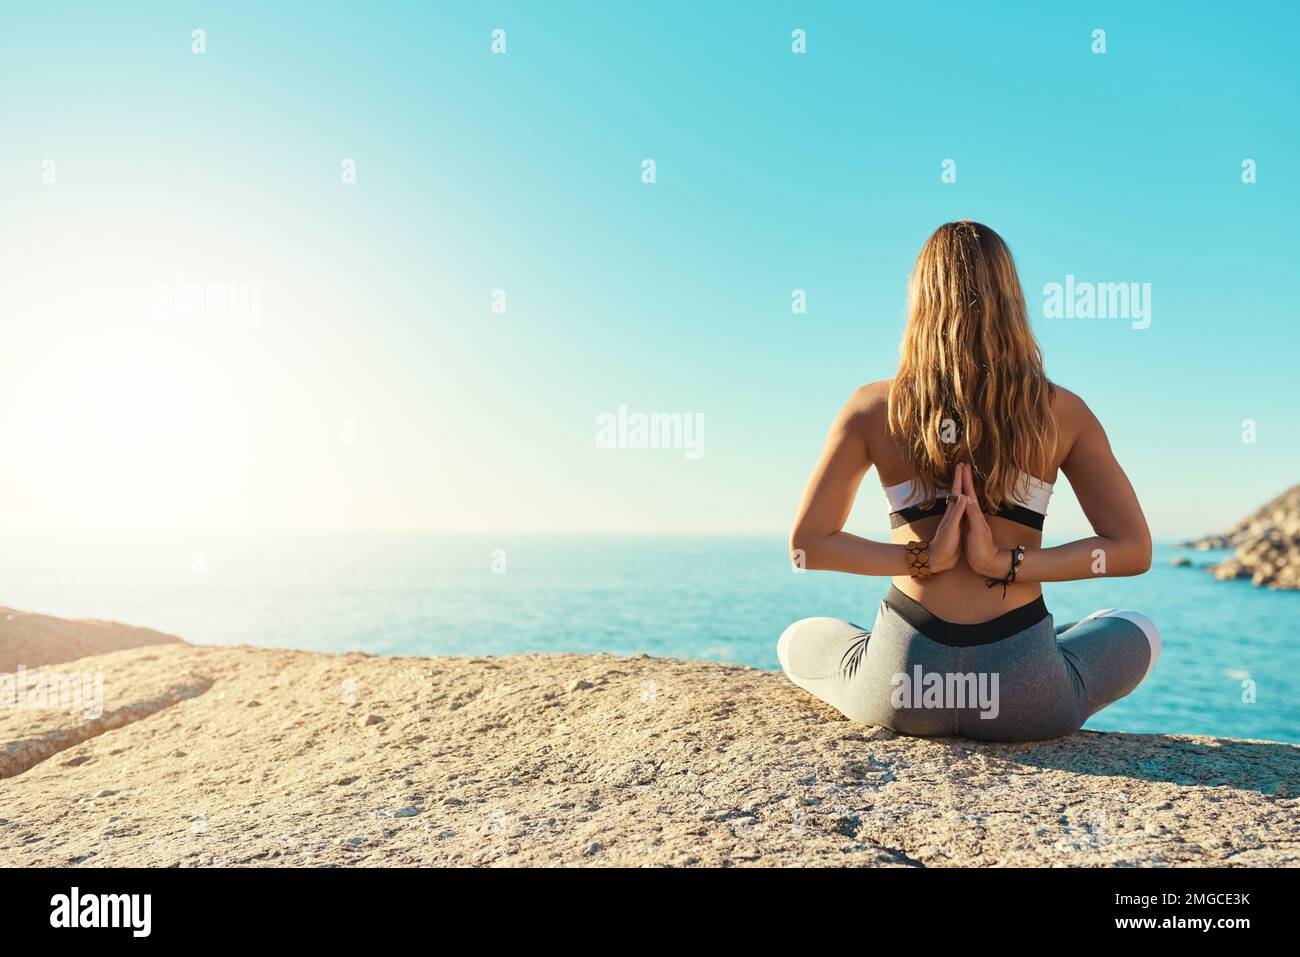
<point x="30" y="640"/>
<point x="1267" y="544"/>
<point x="244" y="756"/>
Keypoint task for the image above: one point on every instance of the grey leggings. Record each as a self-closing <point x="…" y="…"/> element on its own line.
<point x="1016" y="678"/>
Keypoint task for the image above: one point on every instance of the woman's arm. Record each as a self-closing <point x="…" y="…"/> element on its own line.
<point x="1122" y="545"/>
<point x="818" y="539"/>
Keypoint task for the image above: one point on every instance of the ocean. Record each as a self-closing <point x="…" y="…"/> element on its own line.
<point x="1230" y="664"/>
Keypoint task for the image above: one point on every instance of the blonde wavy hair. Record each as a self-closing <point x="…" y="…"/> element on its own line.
<point x="970" y="385"/>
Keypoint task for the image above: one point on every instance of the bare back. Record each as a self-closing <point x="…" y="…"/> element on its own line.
<point x="960" y="595"/>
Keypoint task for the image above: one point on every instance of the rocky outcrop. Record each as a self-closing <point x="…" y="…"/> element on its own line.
<point x="28" y="640"/>
<point x="209" y="756"/>
<point x="1267" y="544"/>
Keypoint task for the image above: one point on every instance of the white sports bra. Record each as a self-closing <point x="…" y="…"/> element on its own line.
<point x="908" y="502"/>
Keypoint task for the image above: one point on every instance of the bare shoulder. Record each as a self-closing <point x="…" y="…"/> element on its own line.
<point x="1073" y="419"/>
<point x="1069" y="409"/>
<point x="874" y="394"/>
<point x="867" y="409"/>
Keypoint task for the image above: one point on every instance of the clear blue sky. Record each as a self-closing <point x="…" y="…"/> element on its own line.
<point x="377" y="391"/>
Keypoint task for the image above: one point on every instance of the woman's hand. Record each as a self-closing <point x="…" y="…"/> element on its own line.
<point x="982" y="554"/>
<point x="945" y="546"/>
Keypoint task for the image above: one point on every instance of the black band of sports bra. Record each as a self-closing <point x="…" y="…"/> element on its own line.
<point x="914" y="513"/>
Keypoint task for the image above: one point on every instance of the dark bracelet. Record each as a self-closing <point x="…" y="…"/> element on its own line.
<point x="1017" y="556"/>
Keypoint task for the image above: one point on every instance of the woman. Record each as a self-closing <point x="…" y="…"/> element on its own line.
<point x="968" y="439"/>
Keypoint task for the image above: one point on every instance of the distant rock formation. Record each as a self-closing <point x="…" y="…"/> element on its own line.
<point x="1267" y="544"/>
<point x="29" y="640"/>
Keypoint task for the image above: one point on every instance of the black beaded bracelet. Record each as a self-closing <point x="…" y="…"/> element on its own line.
<point x="1017" y="556"/>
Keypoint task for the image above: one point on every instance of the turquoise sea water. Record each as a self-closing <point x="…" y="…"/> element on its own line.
<point x="725" y="599"/>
